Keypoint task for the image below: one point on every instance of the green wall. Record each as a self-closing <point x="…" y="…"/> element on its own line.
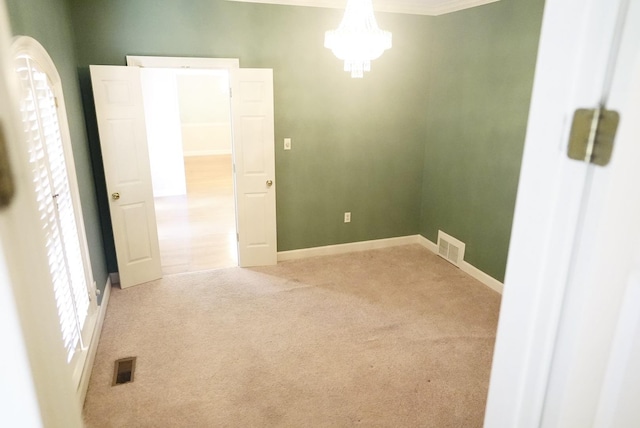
<point x="48" y="22"/>
<point x="357" y="144"/>
<point x="481" y="74"/>
<point x="430" y="139"/>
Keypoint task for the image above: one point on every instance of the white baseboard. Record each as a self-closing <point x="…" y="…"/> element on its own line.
<point x="216" y="152"/>
<point x="93" y="346"/>
<point x="428" y="244"/>
<point x="466" y="267"/>
<point x="484" y="278"/>
<point x="329" y="250"/>
<point x="347" y="248"/>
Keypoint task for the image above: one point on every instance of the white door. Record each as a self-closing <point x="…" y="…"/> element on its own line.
<point x="567" y="350"/>
<point x="123" y="138"/>
<point x="120" y="115"/>
<point x="254" y="161"/>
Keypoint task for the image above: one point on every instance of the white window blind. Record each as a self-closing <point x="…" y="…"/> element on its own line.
<point x="58" y="219"/>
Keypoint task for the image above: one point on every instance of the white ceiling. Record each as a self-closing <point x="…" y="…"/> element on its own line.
<point x="415" y="7"/>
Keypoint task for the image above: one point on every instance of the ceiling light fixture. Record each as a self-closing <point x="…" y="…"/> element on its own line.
<point x="358" y="40"/>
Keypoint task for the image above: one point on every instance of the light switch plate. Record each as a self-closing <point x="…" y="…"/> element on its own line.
<point x="287" y="143"/>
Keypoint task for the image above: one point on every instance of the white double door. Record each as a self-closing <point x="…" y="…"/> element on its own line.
<point x="123" y="140"/>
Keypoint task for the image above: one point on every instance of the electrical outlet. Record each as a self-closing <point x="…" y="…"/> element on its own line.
<point x="287" y="143"/>
<point x="347" y="217"/>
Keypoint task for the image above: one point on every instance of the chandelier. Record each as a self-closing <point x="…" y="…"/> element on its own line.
<point x="358" y="40"/>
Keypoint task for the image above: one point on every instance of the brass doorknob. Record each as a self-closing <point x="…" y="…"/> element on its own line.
<point x="269" y="183"/>
<point x="115" y="196"/>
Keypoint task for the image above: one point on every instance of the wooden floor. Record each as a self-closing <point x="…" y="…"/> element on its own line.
<point x="197" y="231"/>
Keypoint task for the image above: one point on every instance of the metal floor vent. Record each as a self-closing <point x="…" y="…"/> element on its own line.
<point x="450" y="249"/>
<point x="123" y="370"/>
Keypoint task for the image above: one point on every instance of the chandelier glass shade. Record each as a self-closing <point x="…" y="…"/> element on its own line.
<point x="358" y="40"/>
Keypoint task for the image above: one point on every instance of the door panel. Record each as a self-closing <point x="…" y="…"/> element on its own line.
<point x="123" y="140"/>
<point x="122" y="133"/>
<point x="134" y="216"/>
<point x="254" y="157"/>
<point x="253" y="154"/>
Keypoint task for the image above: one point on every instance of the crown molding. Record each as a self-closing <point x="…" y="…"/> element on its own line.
<point x="413" y="7"/>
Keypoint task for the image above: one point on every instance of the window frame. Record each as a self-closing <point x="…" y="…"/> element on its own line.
<point x="28" y="46"/>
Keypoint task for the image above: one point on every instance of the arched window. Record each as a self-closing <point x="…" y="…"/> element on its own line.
<point x="47" y="137"/>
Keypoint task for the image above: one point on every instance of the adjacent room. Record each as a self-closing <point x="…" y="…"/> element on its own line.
<point x="360" y="322"/>
<point x="188" y="122"/>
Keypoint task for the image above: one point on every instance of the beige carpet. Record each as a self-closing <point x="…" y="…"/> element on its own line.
<point x="384" y="338"/>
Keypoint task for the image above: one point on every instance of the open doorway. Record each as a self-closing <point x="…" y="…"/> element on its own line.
<point x="188" y="120"/>
<point x="121" y="117"/>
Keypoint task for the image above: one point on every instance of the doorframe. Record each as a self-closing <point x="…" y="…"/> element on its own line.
<point x="548" y="246"/>
<point x="200" y="63"/>
<point x="182" y="62"/>
<point x="38" y="390"/>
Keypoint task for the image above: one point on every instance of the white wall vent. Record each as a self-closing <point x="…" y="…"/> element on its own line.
<point x="450" y="249"/>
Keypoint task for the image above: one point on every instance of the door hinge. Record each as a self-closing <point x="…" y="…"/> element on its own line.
<point x="55" y="100"/>
<point x="592" y="135"/>
<point x="237" y="237"/>
<point x="230" y="92"/>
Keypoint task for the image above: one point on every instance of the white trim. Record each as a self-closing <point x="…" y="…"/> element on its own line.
<point x="429" y="245"/>
<point x="457" y="5"/>
<point x="484" y="278"/>
<point x="347" y="248"/>
<point x="93" y="347"/>
<point x="375" y="244"/>
<point x="622" y="368"/>
<point x="467" y="267"/>
<point x="19" y="404"/>
<point x="37" y="389"/>
<point x="389" y="6"/>
<point x="182" y="62"/>
<point x="218" y="152"/>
